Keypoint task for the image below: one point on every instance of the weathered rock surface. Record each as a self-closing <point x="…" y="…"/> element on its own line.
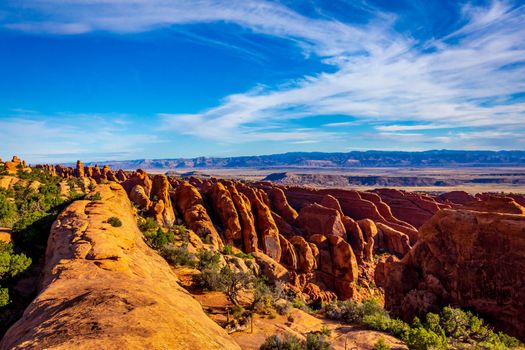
<point x="317" y="219"/>
<point x="281" y="205"/>
<point x="392" y="241"/>
<point x="103" y="288"/>
<point x="189" y="203"/>
<point x="224" y="206"/>
<point x="499" y="204"/>
<point x="163" y="208"/>
<point x="268" y="232"/>
<point x="465" y="259"/>
<point x="246" y="219"/>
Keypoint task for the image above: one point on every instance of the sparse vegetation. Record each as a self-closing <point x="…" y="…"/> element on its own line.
<point x="381" y="345"/>
<point x="94" y="197"/>
<point x="290" y="342"/>
<point x="11" y="265"/>
<point x="114" y="221"/>
<point x="179" y="256"/>
<point x="451" y="328"/>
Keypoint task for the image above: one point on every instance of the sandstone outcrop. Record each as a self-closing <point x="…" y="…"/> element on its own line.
<point x="392" y="241"/>
<point x="338" y="269"/>
<point x="465" y="259"/>
<point x="268" y="232"/>
<point x="457" y="197"/>
<point x="246" y="219"/>
<point x="139" y="177"/>
<point x="225" y="208"/>
<point x="79" y="171"/>
<point x="191" y="206"/>
<point x="410" y="207"/>
<point x="163" y="208"/>
<point x="281" y="205"/>
<point x="103" y="288"/>
<point x="316" y="219"/>
<point x="499" y="204"/>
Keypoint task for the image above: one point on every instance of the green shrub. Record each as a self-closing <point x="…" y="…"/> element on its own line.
<point x="325" y="331"/>
<point x="419" y="338"/>
<point x="179" y="256"/>
<point x="94" y="197"/>
<point x="8" y="211"/>
<point x="228" y="250"/>
<point x="288" y="342"/>
<point x="114" y="221"/>
<point x="317" y="342"/>
<point x="4" y="297"/>
<point x="11" y="264"/>
<point x="349" y="311"/>
<point x="381" y="345"/>
<point x="208" y="259"/>
<point x="225" y="280"/>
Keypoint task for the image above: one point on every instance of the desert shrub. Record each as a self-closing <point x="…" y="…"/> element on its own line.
<point x="4" y="297"/>
<point x="11" y="265"/>
<point x="225" y="280"/>
<point x="326" y="331"/>
<point x="208" y="259"/>
<point x="181" y="231"/>
<point x="419" y="338"/>
<point x="8" y="211"/>
<point x="316" y="341"/>
<point x="94" y="197"/>
<point x="288" y="342"/>
<point x="301" y="305"/>
<point x="381" y="345"/>
<point x="178" y="256"/>
<point x="228" y="250"/>
<point x="148" y="226"/>
<point x="114" y="221"/>
<point x="349" y="311"/>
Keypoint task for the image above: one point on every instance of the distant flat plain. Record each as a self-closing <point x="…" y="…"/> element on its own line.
<point x="469" y="179"/>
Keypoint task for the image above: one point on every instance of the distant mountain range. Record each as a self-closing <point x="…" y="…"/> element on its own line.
<point x="434" y="158"/>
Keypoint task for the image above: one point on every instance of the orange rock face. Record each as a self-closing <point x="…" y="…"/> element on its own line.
<point x="103" y="288"/>
<point x="163" y="209"/>
<point x="500" y="204"/>
<point x="411" y="207"/>
<point x="282" y="207"/>
<point x="79" y="171"/>
<point x="140" y="177"/>
<point x="393" y="241"/>
<point x="465" y="259"/>
<point x="246" y="219"/>
<point x="316" y="219"/>
<point x="266" y="227"/>
<point x="189" y="203"/>
<point x="225" y="208"/>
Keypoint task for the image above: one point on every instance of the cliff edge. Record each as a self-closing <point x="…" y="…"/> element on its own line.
<point x="103" y="287"/>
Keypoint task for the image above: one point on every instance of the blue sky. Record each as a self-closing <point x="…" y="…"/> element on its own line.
<point x="128" y="79"/>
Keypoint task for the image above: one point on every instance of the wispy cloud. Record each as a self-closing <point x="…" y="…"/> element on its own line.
<point x="468" y="78"/>
<point x="43" y="138"/>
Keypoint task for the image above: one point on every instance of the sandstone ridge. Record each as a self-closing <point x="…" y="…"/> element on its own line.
<point x="103" y="288"/>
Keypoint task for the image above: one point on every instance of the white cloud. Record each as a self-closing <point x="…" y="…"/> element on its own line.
<point x="465" y="79"/>
<point x="67" y="136"/>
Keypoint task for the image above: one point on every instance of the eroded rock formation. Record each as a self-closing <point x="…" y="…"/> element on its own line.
<point x="465" y="259"/>
<point x="103" y="288"/>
